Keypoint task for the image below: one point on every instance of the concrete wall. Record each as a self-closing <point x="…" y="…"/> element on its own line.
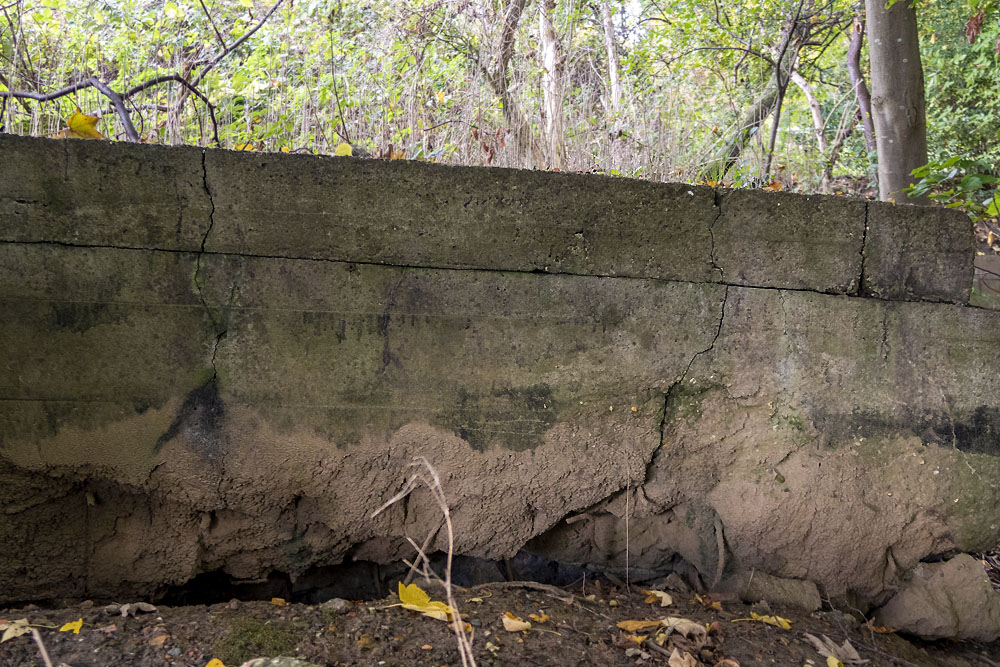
<point x="227" y="361"/>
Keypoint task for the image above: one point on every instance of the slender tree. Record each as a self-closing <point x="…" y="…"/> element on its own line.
<point x="897" y="96"/>
<point x="552" y="86"/>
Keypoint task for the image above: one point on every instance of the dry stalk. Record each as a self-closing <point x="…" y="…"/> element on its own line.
<point x="41" y="647"/>
<point x="427" y="476"/>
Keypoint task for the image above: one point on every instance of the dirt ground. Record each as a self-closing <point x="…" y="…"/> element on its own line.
<point x="576" y="626"/>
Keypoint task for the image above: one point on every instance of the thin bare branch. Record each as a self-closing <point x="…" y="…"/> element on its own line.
<point x="212" y="22"/>
<point x="120" y="109"/>
<point x="190" y="87"/>
<point x="235" y="45"/>
<point x="46" y="97"/>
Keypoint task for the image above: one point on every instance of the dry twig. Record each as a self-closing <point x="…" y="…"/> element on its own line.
<point x="427" y="476"/>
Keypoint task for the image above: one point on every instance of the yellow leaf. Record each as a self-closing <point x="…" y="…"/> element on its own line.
<point x="632" y="626"/>
<point x="659" y="596"/>
<point x="413" y="597"/>
<point x="776" y="621"/>
<point x="831" y="661"/>
<point x="74" y="627"/>
<point x="13" y="629"/>
<point x="440" y="97"/>
<point x="279" y="602"/>
<point x="512" y="623"/>
<point x="244" y="147"/>
<point x="286" y="149"/>
<point x="539" y="618"/>
<point x="344" y="149"/>
<point x="84" y="126"/>
<point x="638" y="639"/>
<point x="215" y="662"/>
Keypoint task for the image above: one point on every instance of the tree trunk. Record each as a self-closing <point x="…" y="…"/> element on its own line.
<point x="858" y="80"/>
<point x="614" y="107"/>
<point x="614" y="65"/>
<point x="787" y="54"/>
<point x="897" y="97"/>
<point x="814" y="108"/>
<point x="500" y="81"/>
<point x="552" y="87"/>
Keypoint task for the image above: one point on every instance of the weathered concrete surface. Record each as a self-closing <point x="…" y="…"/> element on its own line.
<point x="102" y="193"/>
<point x="841" y="448"/>
<point x="767" y="239"/>
<point x="233" y="377"/>
<point x="406" y="213"/>
<point x="953" y="600"/>
<point x="927" y="257"/>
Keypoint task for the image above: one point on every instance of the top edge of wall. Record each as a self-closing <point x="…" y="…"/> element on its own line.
<point x="416" y="214"/>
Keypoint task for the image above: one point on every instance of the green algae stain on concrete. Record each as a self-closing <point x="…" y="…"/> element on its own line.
<point x="516" y="418"/>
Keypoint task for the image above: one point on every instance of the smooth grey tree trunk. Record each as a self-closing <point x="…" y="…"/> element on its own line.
<point x="552" y="87"/>
<point x="897" y="97"/>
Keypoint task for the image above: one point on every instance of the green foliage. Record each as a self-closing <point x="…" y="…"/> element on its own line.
<point x="962" y="82"/>
<point x="959" y="182"/>
<point x="414" y="78"/>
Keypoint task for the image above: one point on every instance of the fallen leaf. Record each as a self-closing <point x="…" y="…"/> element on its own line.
<point x="539" y="618"/>
<point x="833" y="662"/>
<point x="427" y="647"/>
<point x="13" y="629"/>
<point x="638" y="639"/>
<point x="158" y="640"/>
<point x="279" y="602"/>
<point x="81" y="126"/>
<point x="637" y="653"/>
<point x="244" y="147"/>
<point x="344" y="149"/>
<point x="685" y="627"/>
<point x="413" y="597"/>
<point x="129" y="609"/>
<point x="707" y="602"/>
<point x="73" y="627"/>
<point x="678" y="659"/>
<point x="512" y="623"/>
<point x="215" y="662"/>
<point x="632" y="626"/>
<point x="842" y="653"/>
<point x="658" y="596"/>
<point x="367" y="642"/>
<point x="776" y="621"/>
<point x="881" y="629"/>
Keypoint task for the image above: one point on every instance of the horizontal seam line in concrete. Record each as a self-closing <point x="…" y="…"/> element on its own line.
<point x="430" y="267"/>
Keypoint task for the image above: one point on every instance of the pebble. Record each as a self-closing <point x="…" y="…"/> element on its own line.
<point x="337" y="604"/>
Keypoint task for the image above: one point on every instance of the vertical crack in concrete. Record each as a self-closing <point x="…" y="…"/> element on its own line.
<point x="680" y="380"/>
<point x="711" y="233"/>
<point x="217" y="326"/>
<point x="885" y="349"/>
<point x="864" y="244"/>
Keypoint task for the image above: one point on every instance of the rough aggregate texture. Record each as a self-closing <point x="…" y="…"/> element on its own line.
<point x="226" y="362"/>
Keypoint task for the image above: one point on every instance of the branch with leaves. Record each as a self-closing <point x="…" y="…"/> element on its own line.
<point x="118" y="100"/>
